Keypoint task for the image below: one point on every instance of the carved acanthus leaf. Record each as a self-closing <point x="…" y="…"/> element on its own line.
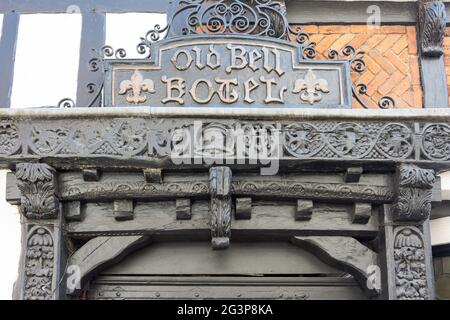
<point x="432" y="18"/>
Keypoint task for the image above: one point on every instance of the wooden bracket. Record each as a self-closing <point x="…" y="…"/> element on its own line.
<point x="361" y="213"/>
<point x="304" y="210"/>
<point x="353" y="174"/>
<point x="123" y="210"/>
<point x="91" y="174"/>
<point x="243" y="209"/>
<point x="152" y="175"/>
<point x="183" y="209"/>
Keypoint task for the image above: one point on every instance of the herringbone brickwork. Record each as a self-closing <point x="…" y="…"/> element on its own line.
<point x="447" y="57"/>
<point x="392" y="64"/>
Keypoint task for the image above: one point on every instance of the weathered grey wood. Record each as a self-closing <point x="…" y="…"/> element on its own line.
<point x="72" y="211"/>
<point x="267" y="288"/>
<point x="243" y="208"/>
<point x="342" y="252"/>
<point x="304" y="210"/>
<point x="131" y="185"/>
<point x="152" y="175"/>
<point x="183" y="209"/>
<point x="93" y="32"/>
<point x="8" y="42"/>
<point x="434" y="82"/>
<point x="91" y="174"/>
<point x="350" y="11"/>
<point x="61" y="6"/>
<point x="123" y="210"/>
<point x="362" y="212"/>
<point x="269" y="220"/>
<point x="102" y="252"/>
<point x="163" y="258"/>
<point x="353" y="174"/>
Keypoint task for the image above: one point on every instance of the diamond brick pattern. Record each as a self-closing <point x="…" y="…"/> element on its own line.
<point x="392" y="64"/>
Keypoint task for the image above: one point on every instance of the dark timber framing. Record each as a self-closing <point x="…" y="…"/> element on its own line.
<point x="8" y="42"/>
<point x="92" y="37"/>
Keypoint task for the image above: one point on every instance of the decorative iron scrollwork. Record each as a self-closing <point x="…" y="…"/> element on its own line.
<point x="263" y="18"/>
<point x="357" y="64"/>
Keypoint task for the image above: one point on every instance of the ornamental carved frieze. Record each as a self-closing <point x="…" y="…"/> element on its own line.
<point x="162" y="139"/>
<point x="432" y="23"/>
<point x="39" y="265"/>
<point x="410" y="266"/>
<point x="220" y="206"/>
<point x="37" y="185"/>
<point x="414" y="187"/>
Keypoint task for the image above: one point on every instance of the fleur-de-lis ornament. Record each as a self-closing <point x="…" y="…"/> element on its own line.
<point x="310" y="87"/>
<point x="137" y="85"/>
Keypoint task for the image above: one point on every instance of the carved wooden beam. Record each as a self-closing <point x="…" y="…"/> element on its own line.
<point x="347" y="254"/>
<point x="432" y="23"/>
<point x="98" y="254"/>
<point x="220" y="206"/>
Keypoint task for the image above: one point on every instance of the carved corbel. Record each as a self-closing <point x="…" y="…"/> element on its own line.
<point x="414" y="189"/>
<point x="37" y="184"/>
<point x="432" y="23"/>
<point x="220" y="206"/>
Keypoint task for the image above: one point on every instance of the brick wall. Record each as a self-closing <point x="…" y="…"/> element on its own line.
<point x="391" y="59"/>
<point x="447" y="57"/>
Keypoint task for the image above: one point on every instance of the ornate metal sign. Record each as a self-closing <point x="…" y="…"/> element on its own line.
<point x="228" y="70"/>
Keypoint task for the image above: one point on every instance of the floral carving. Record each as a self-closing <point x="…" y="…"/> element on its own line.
<point x="9" y="138"/>
<point x="436" y="142"/>
<point x="351" y="140"/>
<point x="303" y="140"/>
<point x="39" y="265"/>
<point x="36" y="182"/>
<point x="395" y="140"/>
<point x="410" y="267"/>
<point x="220" y="206"/>
<point x="432" y="17"/>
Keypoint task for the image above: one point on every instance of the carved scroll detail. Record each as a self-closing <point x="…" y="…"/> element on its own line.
<point x="410" y="267"/>
<point x="432" y="19"/>
<point x="220" y="207"/>
<point x="39" y="265"/>
<point x="37" y="184"/>
<point x="414" y="193"/>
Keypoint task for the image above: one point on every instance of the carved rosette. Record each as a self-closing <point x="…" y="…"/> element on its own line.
<point x="414" y="186"/>
<point x="39" y="265"/>
<point x="432" y="18"/>
<point x="220" y="206"/>
<point x="410" y="267"/>
<point x="37" y="184"/>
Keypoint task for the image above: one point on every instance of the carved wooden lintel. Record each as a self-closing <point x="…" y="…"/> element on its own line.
<point x="304" y="210"/>
<point x="37" y="184"/>
<point x="243" y="208"/>
<point x="220" y="206"/>
<point x="123" y="210"/>
<point x="414" y="191"/>
<point x="432" y="23"/>
<point x="152" y="175"/>
<point x="183" y="209"/>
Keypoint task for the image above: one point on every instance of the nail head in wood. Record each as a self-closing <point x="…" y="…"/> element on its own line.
<point x="243" y="208"/>
<point x="153" y="175"/>
<point x="183" y="209"/>
<point x="353" y="174"/>
<point x="123" y="210"/>
<point x="91" y="175"/>
<point x="304" y="210"/>
<point x="361" y="213"/>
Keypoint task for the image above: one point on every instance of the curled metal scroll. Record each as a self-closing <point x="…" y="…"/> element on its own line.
<point x="357" y="64"/>
<point x="263" y="18"/>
